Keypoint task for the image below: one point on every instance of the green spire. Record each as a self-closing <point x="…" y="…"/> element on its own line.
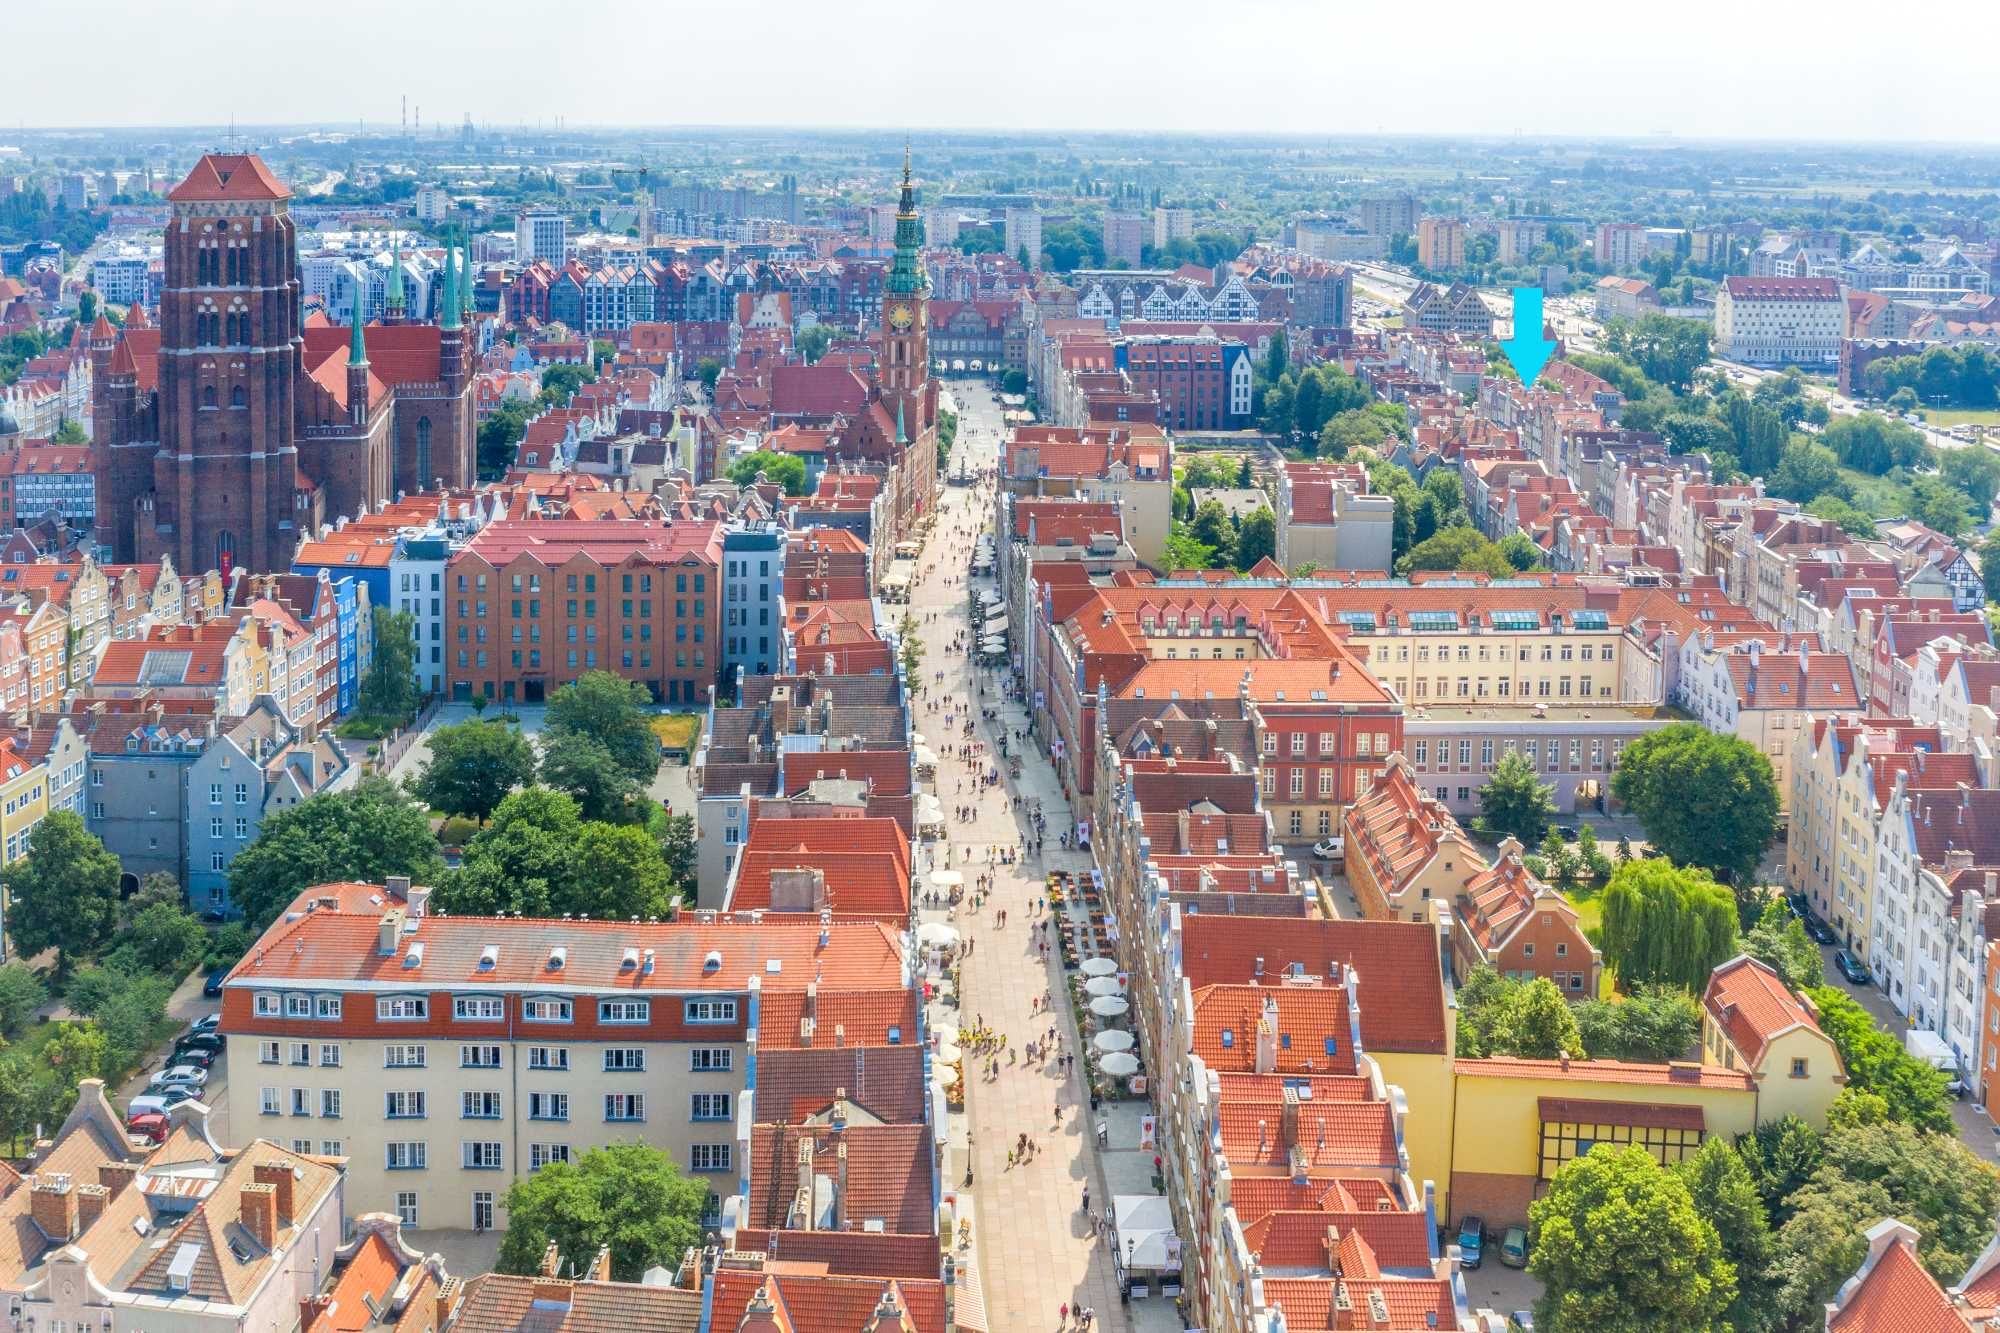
<point x="450" y="298"/>
<point x="357" y="346"/>
<point x="394" y="286"/>
<point x="906" y="276"/>
<point x="900" y="437"/>
<point x="465" y="277"/>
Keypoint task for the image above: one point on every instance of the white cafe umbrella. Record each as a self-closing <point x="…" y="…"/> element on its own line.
<point x="948" y="1053"/>
<point x="1113" y="1039"/>
<point x="1102" y="986"/>
<point x="1109" y="1006"/>
<point x="946" y="879"/>
<point x="937" y="935"/>
<point x="1119" y="1063"/>
<point x="1099" y="966"/>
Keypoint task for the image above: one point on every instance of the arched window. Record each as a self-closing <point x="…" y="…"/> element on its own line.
<point x="236" y="398"/>
<point x="208" y="395"/>
<point x="423" y="477"/>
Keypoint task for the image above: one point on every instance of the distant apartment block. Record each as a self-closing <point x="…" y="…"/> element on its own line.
<point x="1124" y="238"/>
<point x="1621" y="245"/>
<point x="1387" y="214"/>
<point x="1441" y="243"/>
<point x="1172" y="224"/>
<point x="541" y="235"/>
<point x="1024" y="232"/>
<point x="1779" y="321"/>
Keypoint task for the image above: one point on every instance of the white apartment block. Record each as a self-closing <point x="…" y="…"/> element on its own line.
<point x="1779" y="321"/>
<point x="541" y="235"/>
<point x="1172" y="224"/>
<point x="1024" y="232"/>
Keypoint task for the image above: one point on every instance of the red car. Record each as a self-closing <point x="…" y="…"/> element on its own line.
<point x="148" y="1125"/>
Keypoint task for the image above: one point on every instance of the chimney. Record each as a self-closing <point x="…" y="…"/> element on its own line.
<point x="551" y="1261"/>
<point x="444" y="1301"/>
<point x="600" y="1267"/>
<point x="1181" y="821"/>
<point x="840" y="1191"/>
<point x="279" y="1178"/>
<point x="798" y="889"/>
<point x="90" y="1204"/>
<point x="52" y="1206"/>
<point x="1288" y="1121"/>
<point x="115" y="1176"/>
<point x="1267" y="1037"/>
<point x="398" y="887"/>
<point x="260" y="1214"/>
<point x="312" y="1307"/>
<point x="550" y="1293"/>
<point x="389" y="932"/>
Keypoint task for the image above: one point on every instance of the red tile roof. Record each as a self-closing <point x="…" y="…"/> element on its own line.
<point x="1310" y="1027"/>
<point x="1894" y="1294"/>
<point x="850" y="1016"/>
<point x="228" y="177"/>
<point x="1609" y="1071"/>
<point x="805" y="1302"/>
<point x="883" y="1177"/>
<point x="1753" y="1006"/>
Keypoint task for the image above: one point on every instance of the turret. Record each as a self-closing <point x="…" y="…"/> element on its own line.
<point x="449" y="316"/>
<point x="357" y="368"/>
<point x="392" y="299"/>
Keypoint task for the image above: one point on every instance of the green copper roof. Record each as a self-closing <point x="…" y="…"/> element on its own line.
<point x="900" y="437"/>
<point x="357" y="346"/>
<point x="394" y="284"/>
<point x="906" y="275"/>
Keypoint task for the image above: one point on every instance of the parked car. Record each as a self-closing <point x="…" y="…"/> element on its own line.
<point x="1799" y="906"/>
<point x="1956" y="1088"/>
<point x="179" y="1076"/>
<point x="148" y="1125"/>
<point x="212" y="988"/>
<point x="211" y="1042"/>
<point x="1471" y="1240"/>
<point x="162" y="1101"/>
<point x="1523" y="1320"/>
<point x="199" y="1057"/>
<point x="1567" y="832"/>
<point x="1851" y="967"/>
<point x="206" y="1023"/>
<point x="1331" y="849"/>
<point x="1819" y="931"/>
<point x="1514" y="1247"/>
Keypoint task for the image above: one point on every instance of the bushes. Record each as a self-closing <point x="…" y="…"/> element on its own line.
<point x="1913" y="1091"/>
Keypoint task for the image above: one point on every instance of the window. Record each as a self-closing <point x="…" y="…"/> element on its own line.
<point x="709" y="1157"/>
<point x="482" y="1156"/>
<point x="624" y="1106"/>
<point x="479" y="1057"/>
<point x="711" y="1011"/>
<point x="403" y="1007"/>
<point x="1298" y="742"/>
<point x="268" y="1052"/>
<point x="326" y="1006"/>
<point x="329" y="1103"/>
<point x="479" y="1106"/>
<point x="298" y="1006"/>
<point x="407" y="1104"/>
<point x="1326" y="742"/>
<point x="267" y="1101"/>
<point x="403" y="1057"/>
<point x="623" y="1011"/>
<point x="548" y="1106"/>
<point x="268" y="1005"/>
<point x="625" y="1060"/>
<point x="545" y="1011"/>
<point x="301" y="1053"/>
<point x="711" y="1060"/>
<point x="1799" y="1067"/>
<point x="548" y="1057"/>
<point x="709" y="1106"/>
<point x="407" y="1156"/>
<point x="477" y="1008"/>
<point x="329" y="1055"/>
<point x="406" y="1205"/>
<point x="541" y="1154"/>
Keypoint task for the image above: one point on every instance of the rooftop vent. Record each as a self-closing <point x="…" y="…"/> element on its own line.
<point x="415" y="956"/>
<point x="489" y="958"/>
<point x="712" y="961"/>
<point x="557" y="956"/>
<point x="630" y="961"/>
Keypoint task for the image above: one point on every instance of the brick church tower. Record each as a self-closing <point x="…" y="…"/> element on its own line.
<point x="225" y="479"/>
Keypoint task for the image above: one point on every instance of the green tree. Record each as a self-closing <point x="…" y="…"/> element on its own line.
<point x="813" y="342"/>
<point x="168" y="940"/>
<point x="1726" y="1197"/>
<point x="614" y="711"/>
<point x="1872" y="443"/>
<point x="1974" y="471"/>
<point x="1936" y="502"/>
<point x="1539" y="1024"/>
<point x="1989" y="563"/>
<point x="472" y="767"/>
<point x="1870" y="1172"/>
<point x="69" y="432"/>
<point x="708" y="370"/>
<point x="522" y="861"/>
<point x="498" y="434"/>
<point x="1515" y="802"/>
<point x="64" y="893"/>
<point x="629" y="1196"/>
<point x="1781" y="1155"/>
<point x="1454" y="549"/>
<point x="1212" y="526"/>
<point x="1653" y="1024"/>
<point x="578" y="765"/>
<point x="1565" y="867"/>
<point x="910" y="647"/>
<point x="1184" y="552"/>
<point x="677" y="849"/>
<point x="1520" y="550"/>
<point x="21" y="994"/>
<point x="389" y="686"/>
<point x="1779" y="940"/>
<point x="1913" y="1089"/>
<point x="619" y="874"/>
<point x="1621" y="1248"/>
<point x="1354" y="428"/>
<point x="1667" y="924"/>
<point x="86" y="308"/>
<point x="1256" y="538"/>
<point x="367" y="832"/>
<point x="1805" y="472"/>
<point x="788" y="470"/>
<point x="1705" y="799"/>
<point x="1014" y="382"/>
<point x="1852" y="520"/>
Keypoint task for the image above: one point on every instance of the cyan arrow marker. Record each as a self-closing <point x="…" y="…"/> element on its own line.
<point x="1528" y="350"/>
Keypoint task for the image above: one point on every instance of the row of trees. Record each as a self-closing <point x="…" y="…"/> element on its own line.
<point x="1530" y="1018"/>
<point x="1967" y="375"/>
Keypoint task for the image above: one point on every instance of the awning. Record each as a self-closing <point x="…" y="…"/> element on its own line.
<point x="1147" y="1241"/>
<point x="996" y="624"/>
<point x="1630" y="1115"/>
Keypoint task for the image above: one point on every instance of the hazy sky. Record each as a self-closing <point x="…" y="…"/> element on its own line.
<point x="1698" y="68"/>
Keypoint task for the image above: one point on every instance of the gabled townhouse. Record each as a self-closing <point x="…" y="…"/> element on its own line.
<point x="1506" y="919"/>
<point x="1404" y="850"/>
<point x="1751" y="1020"/>
<point x="1762" y="692"/>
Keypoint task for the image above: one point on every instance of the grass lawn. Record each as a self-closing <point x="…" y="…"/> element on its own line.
<point x="1880" y="496"/>
<point x="1588" y="901"/>
<point x="1962" y="416"/>
<point x="677" y="731"/>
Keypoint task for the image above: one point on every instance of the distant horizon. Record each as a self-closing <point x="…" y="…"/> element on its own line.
<point x="1719" y="72"/>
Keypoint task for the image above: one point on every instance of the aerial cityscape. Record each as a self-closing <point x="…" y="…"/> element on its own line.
<point x="1254" y="715"/>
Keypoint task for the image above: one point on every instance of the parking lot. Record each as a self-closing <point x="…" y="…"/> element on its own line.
<point x="185" y="1006"/>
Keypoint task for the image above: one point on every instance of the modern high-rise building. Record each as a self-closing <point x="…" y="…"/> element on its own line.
<point x="1172" y="224"/>
<point x="1124" y="238"/>
<point x="1024" y="232"/>
<point x="1441" y="243"/>
<point x="541" y="234"/>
